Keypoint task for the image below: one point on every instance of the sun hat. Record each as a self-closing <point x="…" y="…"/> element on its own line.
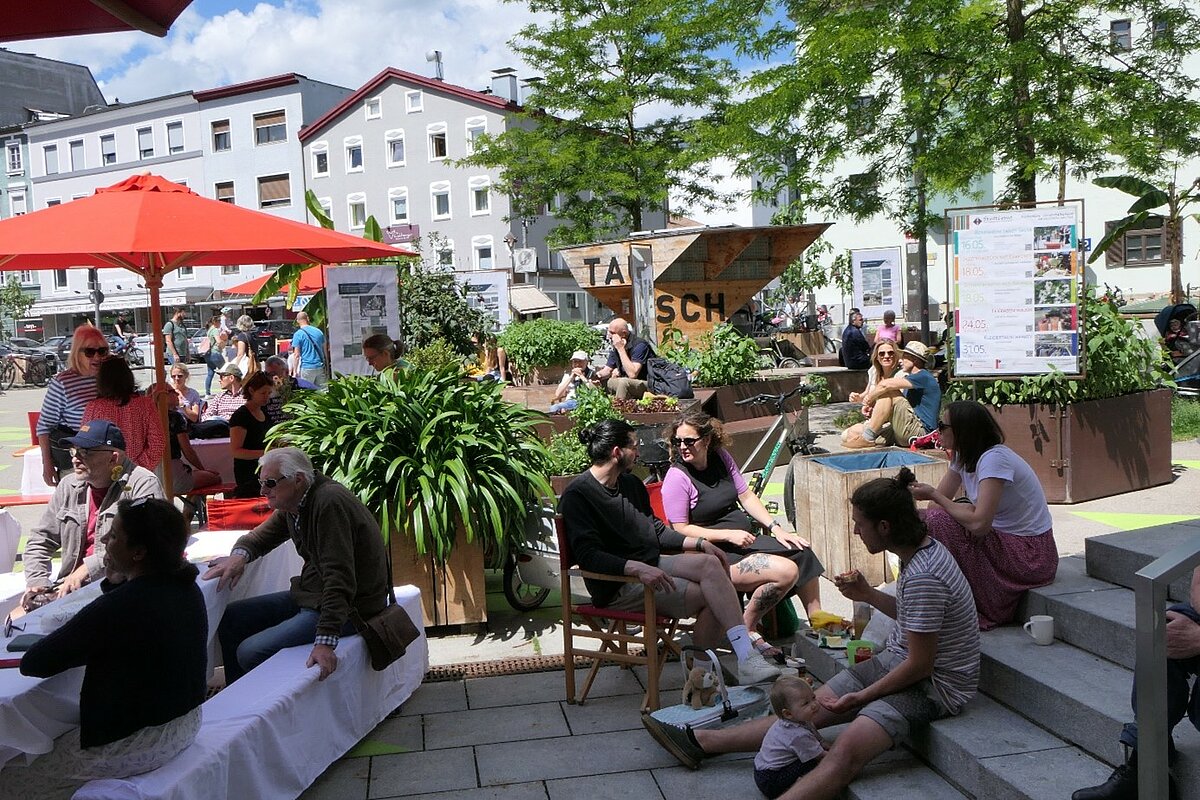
<point x="230" y="369"/>
<point x="579" y="355"/>
<point x="97" y="433"/>
<point x="917" y="350"/>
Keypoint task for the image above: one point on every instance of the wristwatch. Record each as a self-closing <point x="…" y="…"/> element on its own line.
<point x="775" y="523"/>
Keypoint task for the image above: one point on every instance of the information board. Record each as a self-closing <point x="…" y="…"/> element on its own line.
<point x="1017" y="289"/>
<point x="360" y="301"/>
<point x="877" y="281"/>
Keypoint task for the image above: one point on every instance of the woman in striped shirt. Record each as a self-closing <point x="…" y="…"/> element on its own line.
<point x="67" y="396"/>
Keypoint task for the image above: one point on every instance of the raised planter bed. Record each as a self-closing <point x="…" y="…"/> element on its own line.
<point x="453" y="593"/>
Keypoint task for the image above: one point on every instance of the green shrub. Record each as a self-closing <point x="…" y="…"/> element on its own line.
<point x="592" y="405"/>
<point x="438" y="354"/>
<point x="847" y="418"/>
<point x="546" y="342"/>
<point x="568" y="455"/>
<point x="726" y="357"/>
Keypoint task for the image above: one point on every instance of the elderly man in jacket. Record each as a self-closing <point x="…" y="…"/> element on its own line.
<point x="81" y="511"/>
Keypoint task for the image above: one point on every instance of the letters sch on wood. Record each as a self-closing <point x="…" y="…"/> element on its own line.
<point x="688" y="307"/>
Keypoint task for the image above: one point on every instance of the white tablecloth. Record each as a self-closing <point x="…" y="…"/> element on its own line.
<point x="31" y="474"/>
<point x="35" y="711"/>
<point x="10" y="537"/>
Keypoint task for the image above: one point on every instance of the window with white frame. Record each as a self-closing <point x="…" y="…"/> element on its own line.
<point x="60" y="279"/>
<point x="185" y="273"/>
<point x="320" y="159"/>
<point x="224" y="192"/>
<point x="555" y="204"/>
<point x="356" y="207"/>
<point x="439" y="199"/>
<point x="12" y="159"/>
<point x="50" y="152"/>
<point x="275" y="191"/>
<point x="145" y="137"/>
<point x="78" y="196"/>
<point x="108" y="149"/>
<point x="1120" y="34"/>
<point x="445" y="254"/>
<point x="393" y="142"/>
<point x="373" y="108"/>
<point x="437" y="141"/>
<point x="326" y="204"/>
<point x="354" y="154"/>
<point x="77" y="155"/>
<point x="53" y="201"/>
<point x="27" y="277"/>
<point x="480" y="190"/>
<point x="233" y="269"/>
<point x="175" y="137"/>
<point x="270" y="128"/>
<point x="482" y="252"/>
<point x="398" y="205"/>
<point x="17" y="202"/>
<point x="413" y="101"/>
<point x="476" y="127"/>
<point x="220" y="135"/>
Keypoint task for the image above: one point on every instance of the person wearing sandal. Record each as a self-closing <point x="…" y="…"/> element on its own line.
<point x="705" y="496"/>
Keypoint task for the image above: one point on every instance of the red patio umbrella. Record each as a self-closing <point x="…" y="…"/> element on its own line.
<point x="311" y="280"/>
<point x="41" y="19"/>
<point x="151" y="226"/>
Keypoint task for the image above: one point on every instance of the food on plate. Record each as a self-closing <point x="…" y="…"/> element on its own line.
<point x="824" y="620"/>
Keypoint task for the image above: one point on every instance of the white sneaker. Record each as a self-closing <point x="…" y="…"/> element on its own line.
<point x="756" y="669"/>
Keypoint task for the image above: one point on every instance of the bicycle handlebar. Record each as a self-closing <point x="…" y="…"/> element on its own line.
<point x="759" y="399"/>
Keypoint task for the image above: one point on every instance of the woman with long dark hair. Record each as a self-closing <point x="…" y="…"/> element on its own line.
<point x="1002" y="536"/>
<point x="117" y="399"/>
<point x="248" y="429"/>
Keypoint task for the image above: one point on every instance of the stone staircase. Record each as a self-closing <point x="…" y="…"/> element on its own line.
<point x="1046" y="720"/>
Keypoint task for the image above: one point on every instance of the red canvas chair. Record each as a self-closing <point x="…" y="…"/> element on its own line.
<point x="609" y="629"/>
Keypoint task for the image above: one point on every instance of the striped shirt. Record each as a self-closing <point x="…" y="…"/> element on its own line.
<point x="932" y="596"/>
<point x="66" y="397"/>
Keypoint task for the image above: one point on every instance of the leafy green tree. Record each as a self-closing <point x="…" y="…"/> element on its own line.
<point x="606" y="132"/>
<point x="433" y="305"/>
<point x="14" y="303"/>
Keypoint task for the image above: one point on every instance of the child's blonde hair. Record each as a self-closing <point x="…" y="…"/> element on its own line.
<point x="786" y="687"/>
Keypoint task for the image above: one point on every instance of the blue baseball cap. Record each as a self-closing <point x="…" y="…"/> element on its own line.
<point x="98" y="433"/>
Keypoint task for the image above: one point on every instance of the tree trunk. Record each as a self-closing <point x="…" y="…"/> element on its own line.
<point x="1174" y="244"/>
<point x="1024" y="177"/>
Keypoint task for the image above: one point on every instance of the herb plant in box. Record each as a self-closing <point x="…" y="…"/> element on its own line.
<point x="538" y="346"/>
<point x="448" y="465"/>
<point x="568" y="455"/>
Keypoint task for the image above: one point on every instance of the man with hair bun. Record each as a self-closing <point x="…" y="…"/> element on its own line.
<point x="928" y="668"/>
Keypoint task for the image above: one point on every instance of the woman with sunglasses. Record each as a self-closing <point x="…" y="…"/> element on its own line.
<point x="885" y="361"/>
<point x="117" y="399"/>
<point x="143" y="646"/>
<point x="66" y="398"/>
<point x="705" y="496"/>
<point x="189" y="398"/>
<point x="1002" y="537"/>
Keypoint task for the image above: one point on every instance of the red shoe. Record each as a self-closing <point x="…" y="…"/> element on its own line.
<point x="930" y="441"/>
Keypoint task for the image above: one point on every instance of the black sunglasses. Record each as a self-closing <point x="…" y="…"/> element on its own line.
<point x="941" y="426"/>
<point x="89" y="352"/>
<point x="271" y="483"/>
<point x="686" y="441"/>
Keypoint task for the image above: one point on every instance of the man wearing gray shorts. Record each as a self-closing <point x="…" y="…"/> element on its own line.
<point x="611" y="530"/>
<point x="929" y="667"/>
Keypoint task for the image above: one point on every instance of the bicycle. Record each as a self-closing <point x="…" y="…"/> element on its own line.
<point x="792" y="429"/>
<point x="35" y="369"/>
<point x="1114" y="295"/>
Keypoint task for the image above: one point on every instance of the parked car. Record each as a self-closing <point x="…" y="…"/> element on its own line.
<point x="63" y="348"/>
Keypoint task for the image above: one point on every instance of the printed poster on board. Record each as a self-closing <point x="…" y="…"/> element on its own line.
<point x="1017" y="289"/>
<point x="487" y="289"/>
<point x="361" y="301"/>
<point x="877" y="281"/>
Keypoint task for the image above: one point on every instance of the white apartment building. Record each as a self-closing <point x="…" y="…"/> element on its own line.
<point x="234" y="143"/>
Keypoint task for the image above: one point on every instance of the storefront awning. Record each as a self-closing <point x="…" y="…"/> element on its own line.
<point x="82" y="304"/>
<point x="530" y="300"/>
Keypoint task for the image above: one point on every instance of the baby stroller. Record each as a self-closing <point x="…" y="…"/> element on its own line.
<point x="1181" y="339"/>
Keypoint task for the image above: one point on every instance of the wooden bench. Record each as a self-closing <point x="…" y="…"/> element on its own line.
<point x="13" y="500"/>
<point x="272" y="733"/>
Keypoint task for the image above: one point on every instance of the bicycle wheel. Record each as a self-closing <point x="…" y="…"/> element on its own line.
<point x="789" y="363"/>
<point x="520" y="595"/>
<point x="8" y="375"/>
<point x="134" y="356"/>
<point x="830" y="347"/>
<point x="37" y="374"/>
<point x="789" y="497"/>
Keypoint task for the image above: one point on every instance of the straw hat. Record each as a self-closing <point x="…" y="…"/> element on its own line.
<point x="916" y="350"/>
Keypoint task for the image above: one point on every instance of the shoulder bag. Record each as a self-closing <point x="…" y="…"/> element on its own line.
<point x="388" y="634"/>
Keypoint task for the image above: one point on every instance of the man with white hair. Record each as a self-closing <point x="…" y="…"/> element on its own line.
<point x="345" y="569"/>
<point x="308" y="352"/>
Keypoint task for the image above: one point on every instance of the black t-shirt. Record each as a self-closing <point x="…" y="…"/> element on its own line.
<point x="245" y="470"/>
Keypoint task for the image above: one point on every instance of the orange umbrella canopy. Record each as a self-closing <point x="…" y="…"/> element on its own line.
<point x="311" y="280"/>
<point x="40" y="19"/>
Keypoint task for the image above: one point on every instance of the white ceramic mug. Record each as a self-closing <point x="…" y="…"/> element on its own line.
<point x="1041" y="628"/>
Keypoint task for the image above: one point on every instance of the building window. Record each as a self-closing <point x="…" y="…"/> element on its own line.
<point x="439" y="199"/>
<point x="77" y="155"/>
<point x="476" y="127"/>
<point x="326" y="204"/>
<point x="186" y="273"/>
<point x="437" y="141"/>
<point x="60" y="279"/>
<point x="274" y="191"/>
<point x="1120" y="34"/>
<point x="220" y="135"/>
<point x="235" y="269"/>
<point x="393" y="142"/>
<point x="145" y="138"/>
<point x="1160" y="29"/>
<point x="17" y="202"/>
<point x="860" y="118"/>
<point x="356" y="205"/>
<point x="224" y="192"/>
<point x="354" y="154"/>
<point x="373" y="108"/>
<point x="480" y="189"/>
<point x="320" y="162"/>
<point x="174" y="137"/>
<point x="1144" y="246"/>
<point x="482" y="255"/>
<point x="51" y="153"/>
<point x="445" y="254"/>
<point x="53" y="201"/>
<point x="13" y="158"/>
<point x="27" y="278"/>
<point x="398" y="202"/>
<point x="108" y="149"/>
<point x="270" y="128"/>
<point x="413" y="101"/>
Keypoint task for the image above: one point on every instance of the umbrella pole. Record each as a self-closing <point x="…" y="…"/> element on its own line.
<point x="160" y="379"/>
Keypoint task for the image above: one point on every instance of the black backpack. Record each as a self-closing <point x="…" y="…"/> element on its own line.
<point x="667" y="377"/>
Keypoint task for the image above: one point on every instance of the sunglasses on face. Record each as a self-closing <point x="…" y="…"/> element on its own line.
<point x="82" y="452"/>
<point x="888" y="354"/>
<point x="686" y="441"/>
<point x="271" y="483"/>
<point x="92" y="352"/>
<point x="943" y="425"/>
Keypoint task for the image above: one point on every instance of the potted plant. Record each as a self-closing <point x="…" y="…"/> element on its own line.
<point x="1105" y="434"/>
<point x="541" y="347"/>
<point x="448" y="465"/>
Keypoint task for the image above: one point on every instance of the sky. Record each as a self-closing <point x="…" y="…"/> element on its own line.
<point x="219" y="42"/>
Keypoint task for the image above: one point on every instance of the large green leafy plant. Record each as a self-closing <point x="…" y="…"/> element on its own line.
<point x="545" y="342"/>
<point x="426" y="449"/>
<point x="726" y="357"/>
<point x="1117" y="362"/>
<point x="568" y="455"/>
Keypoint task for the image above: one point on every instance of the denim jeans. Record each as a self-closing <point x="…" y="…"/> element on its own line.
<point x="253" y="630"/>
<point x="1181" y="699"/>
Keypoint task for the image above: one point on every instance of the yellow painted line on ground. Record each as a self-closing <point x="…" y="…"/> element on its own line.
<point x="1125" y="521"/>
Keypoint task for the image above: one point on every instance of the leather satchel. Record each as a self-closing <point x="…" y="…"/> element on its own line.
<point x="387" y="634"/>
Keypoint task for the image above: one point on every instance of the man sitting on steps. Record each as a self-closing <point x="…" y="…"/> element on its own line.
<point x="1183" y="664"/>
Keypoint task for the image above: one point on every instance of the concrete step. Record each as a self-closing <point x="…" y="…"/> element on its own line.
<point x="1115" y="557"/>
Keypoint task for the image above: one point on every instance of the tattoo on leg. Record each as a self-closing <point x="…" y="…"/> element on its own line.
<point x="755" y="564"/>
<point x="766" y="598"/>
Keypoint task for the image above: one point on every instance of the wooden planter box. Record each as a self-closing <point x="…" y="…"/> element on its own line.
<point x="822" y="495"/>
<point x="453" y="593"/>
<point x="1095" y="448"/>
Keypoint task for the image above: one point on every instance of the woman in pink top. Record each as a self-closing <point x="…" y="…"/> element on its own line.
<point x="889" y="329"/>
<point x="136" y="415"/>
<point x="705" y="496"/>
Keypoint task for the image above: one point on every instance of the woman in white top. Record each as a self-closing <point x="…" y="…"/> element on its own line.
<point x="885" y="360"/>
<point x="1003" y="536"/>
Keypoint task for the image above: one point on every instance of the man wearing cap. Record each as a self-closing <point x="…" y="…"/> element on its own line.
<point x="579" y="374"/>
<point x="81" y="511"/>
<point x="909" y="401"/>
<point x="230" y="399"/>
